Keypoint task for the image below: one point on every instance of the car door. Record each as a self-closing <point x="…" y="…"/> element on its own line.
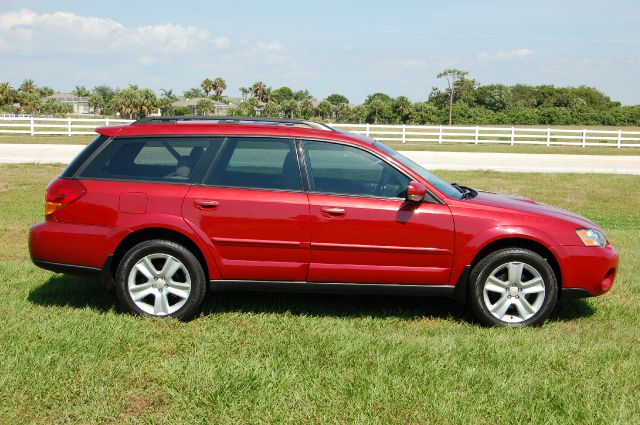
<point x="253" y="208"/>
<point x="362" y="229"/>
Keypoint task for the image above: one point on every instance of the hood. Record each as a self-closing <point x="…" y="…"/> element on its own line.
<point x="528" y="206"/>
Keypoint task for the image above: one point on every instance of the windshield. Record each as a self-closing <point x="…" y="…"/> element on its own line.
<point x="436" y="181"/>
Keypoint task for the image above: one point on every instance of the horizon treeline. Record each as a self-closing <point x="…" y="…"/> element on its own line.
<point x="463" y="101"/>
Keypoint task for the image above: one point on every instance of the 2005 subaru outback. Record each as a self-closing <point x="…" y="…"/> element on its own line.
<point x="167" y="208"/>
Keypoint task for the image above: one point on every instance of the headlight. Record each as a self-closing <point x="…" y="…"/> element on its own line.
<point x="592" y="237"/>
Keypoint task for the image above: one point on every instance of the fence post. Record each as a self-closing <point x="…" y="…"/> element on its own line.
<point x="404" y="133"/>
<point x="548" y="137"/>
<point x="513" y="135"/>
<point x="366" y="131"/>
<point x="440" y="135"/>
<point x="584" y="137"/>
<point x="33" y="130"/>
<point x="619" y="139"/>
<point x="477" y="131"/>
<point x="69" y="126"/>
<point x="106" y="122"/>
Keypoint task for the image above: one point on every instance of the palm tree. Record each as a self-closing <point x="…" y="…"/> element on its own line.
<point x="260" y="91"/>
<point x="245" y="92"/>
<point x="219" y="85"/>
<point x="207" y="85"/>
<point x="205" y="107"/>
<point x="7" y="94"/>
<point x="28" y="86"/>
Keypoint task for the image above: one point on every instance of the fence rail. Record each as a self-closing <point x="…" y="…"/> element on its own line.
<point x="407" y="134"/>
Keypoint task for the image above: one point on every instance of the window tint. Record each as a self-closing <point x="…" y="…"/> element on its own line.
<point x="341" y="169"/>
<point x="153" y="159"/>
<point x="260" y="163"/>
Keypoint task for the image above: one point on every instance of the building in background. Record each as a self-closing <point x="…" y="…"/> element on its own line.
<point x="80" y="104"/>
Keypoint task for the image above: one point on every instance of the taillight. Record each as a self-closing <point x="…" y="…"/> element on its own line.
<point x="62" y="192"/>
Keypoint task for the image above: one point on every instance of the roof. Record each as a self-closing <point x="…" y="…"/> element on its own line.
<point x="67" y="97"/>
<point x="154" y="127"/>
<point x="194" y="102"/>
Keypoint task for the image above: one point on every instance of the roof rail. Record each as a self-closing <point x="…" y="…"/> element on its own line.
<point x="233" y="120"/>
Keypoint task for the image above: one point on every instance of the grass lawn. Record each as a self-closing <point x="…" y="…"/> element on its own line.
<point x="69" y="356"/>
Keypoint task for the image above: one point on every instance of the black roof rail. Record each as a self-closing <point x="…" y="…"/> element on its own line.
<point x="234" y="120"/>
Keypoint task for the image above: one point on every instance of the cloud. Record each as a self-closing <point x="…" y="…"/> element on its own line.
<point x="272" y="46"/>
<point x="25" y="30"/>
<point x="509" y="55"/>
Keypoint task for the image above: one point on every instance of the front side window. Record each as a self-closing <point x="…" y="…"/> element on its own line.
<point x="257" y="163"/>
<point x="346" y="170"/>
<point x="168" y="159"/>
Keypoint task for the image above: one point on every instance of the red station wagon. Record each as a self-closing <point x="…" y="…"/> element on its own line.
<point x="168" y="208"/>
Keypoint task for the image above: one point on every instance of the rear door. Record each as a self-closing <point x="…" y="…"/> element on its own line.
<point x="362" y="230"/>
<point x="253" y="208"/>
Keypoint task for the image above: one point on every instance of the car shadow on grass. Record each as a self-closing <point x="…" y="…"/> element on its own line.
<point x="78" y="292"/>
<point x="73" y="291"/>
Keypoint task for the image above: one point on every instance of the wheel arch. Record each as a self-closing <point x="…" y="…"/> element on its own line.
<point x="518" y="242"/>
<point x="150" y="233"/>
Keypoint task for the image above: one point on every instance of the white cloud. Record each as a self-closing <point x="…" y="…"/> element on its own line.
<point x="509" y="55"/>
<point x="272" y="46"/>
<point x="64" y="31"/>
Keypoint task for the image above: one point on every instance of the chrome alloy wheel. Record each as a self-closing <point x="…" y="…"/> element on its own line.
<point x="159" y="284"/>
<point x="514" y="292"/>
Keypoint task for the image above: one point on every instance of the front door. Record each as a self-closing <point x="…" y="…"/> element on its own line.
<point x="363" y="231"/>
<point x="254" y="210"/>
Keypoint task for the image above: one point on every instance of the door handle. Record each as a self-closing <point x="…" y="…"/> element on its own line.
<point x="206" y="204"/>
<point x="333" y="212"/>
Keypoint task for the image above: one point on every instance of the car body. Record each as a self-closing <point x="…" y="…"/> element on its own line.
<point x="296" y="206"/>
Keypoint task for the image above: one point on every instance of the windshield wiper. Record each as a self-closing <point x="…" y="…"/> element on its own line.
<point x="467" y="192"/>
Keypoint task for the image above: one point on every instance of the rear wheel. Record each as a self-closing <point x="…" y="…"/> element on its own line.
<point x="513" y="287"/>
<point x="160" y="278"/>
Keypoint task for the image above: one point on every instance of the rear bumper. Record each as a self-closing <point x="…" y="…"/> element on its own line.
<point x="73" y="248"/>
<point x="587" y="271"/>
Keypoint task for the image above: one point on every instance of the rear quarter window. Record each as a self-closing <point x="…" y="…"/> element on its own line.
<point x="166" y="159"/>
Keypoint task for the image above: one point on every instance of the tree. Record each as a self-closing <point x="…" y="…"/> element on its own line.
<point x="45" y="91"/>
<point x="205" y="107"/>
<point x="28" y="86"/>
<point x="219" y="86"/>
<point x="7" y="94"/>
<point x="207" y="86"/>
<point x="306" y="108"/>
<point x="281" y="94"/>
<point x="271" y="109"/>
<point x="244" y="93"/>
<point x="81" y="91"/>
<point x="301" y="95"/>
<point x="377" y="110"/>
<point x="324" y="109"/>
<point x="402" y="109"/>
<point x="193" y="93"/>
<point x="101" y="100"/>
<point x="336" y="99"/>
<point x="453" y="76"/>
<point x="260" y="91"/>
<point x="165" y="103"/>
<point x="495" y="97"/>
<point x="289" y="108"/>
<point x="134" y="103"/>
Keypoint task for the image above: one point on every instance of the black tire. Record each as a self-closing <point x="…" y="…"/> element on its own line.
<point x="484" y="268"/>
<point x="192" y="265"/>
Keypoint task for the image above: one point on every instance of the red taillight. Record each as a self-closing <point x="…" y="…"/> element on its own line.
<point x="62" y="192"/>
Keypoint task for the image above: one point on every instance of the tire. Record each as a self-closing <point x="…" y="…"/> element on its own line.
<point x="513" y="287"/>
<point x="160" y="278"/>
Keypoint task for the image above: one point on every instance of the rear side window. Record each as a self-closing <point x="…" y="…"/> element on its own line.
<point x="83" y="156"/>
<point x="170" y="159"/>
<point x="257" y="163"/>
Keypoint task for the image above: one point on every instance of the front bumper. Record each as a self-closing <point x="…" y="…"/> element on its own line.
<point x="587" y="271"/>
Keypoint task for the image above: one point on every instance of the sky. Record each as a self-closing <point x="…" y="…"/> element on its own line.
<point x="351" y="47"/>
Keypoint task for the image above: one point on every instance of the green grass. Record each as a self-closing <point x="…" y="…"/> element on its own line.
<point x="68" y="355"/>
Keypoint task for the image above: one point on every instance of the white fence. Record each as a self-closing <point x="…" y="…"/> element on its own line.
<point x="407" y="134"/>
<point x="418" y="134"/>
<point x="61" y="126"/>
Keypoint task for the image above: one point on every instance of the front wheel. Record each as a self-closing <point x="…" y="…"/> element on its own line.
<point x="513" y="287"/>
<point x="160" y="278"/>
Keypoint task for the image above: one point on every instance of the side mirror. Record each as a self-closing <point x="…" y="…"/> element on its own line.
<point x="416" y="192"/>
